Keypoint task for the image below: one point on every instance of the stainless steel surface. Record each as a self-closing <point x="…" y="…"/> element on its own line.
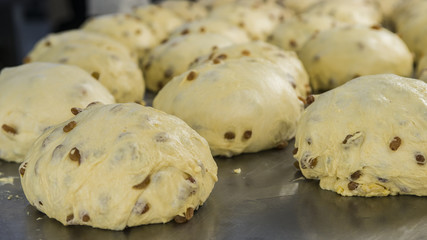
<point x="267" y="200"/>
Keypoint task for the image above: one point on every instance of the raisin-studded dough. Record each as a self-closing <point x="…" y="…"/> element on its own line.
<point x="238" y="105"/>
<point x="338" y="55"/>
<point x="213" y="25"/>
<point x="174" y="56"/>
<point x="34" y="96"/>
<point x="116" y="71"/>
<point x="119" y="165"/>
<point x="367" y="137"/>
<point x="186" y="10"/>
<point x="288" y="61"/>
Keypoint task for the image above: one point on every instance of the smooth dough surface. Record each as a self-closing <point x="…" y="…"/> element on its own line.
<point x="174" y="56"/>
<point x="188" y="11"/>
<point x="367" y="137"/>
<point x="117" y="71"/>
<point x="35" y="96"/>
<point x="337" y="55"/>
<point x="238" y="105"/>
<point x="288" y="61"/>
<point x="121" y="165"/>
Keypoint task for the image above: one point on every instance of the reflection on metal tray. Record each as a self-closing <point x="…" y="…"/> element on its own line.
<point x="267" y="200"/>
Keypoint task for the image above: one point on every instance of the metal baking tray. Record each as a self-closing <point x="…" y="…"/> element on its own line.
<point x="269" y="199"/>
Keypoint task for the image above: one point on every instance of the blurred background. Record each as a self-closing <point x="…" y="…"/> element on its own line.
<point x="23" y="22"/>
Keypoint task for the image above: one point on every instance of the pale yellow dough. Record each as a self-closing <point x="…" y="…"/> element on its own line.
<point x="238" y="105"/>
<point x="367" y="137"/>
<point x="186" y="10"/>
<point x="338" y="55"/>
<point x="134" y="165"/>
<point x="174" y="56"/>
<point x="288" y="61"/>
<point x="36" y="95"/>
<point x="117" y="71"/>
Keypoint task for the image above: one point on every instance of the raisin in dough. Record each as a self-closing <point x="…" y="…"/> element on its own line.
<point x="174" y="56"/>
<point x="36" y="95"/>
<point x="238" y="105"/>
<point x="337" y="55"/>
<point x="367" y="137"/>
<point x="213" y="25"/>
<point x="119" y="165"/>
<point x="117" y="72"/>
<point x="288" y="61"/>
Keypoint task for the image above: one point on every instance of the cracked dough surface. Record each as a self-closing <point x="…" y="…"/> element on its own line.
<point x="34" y="96"/>
<point x="367" y="137"/>
<point x="121" y="165"/>
<point x="238" y="105"/>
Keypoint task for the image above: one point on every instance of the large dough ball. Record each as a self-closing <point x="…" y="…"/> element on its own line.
<point x="239" y="105"/>
<point x="119" y="165"/>
<point x="36" y="95"/>
<point x="367" y="137"/>
<point x="116" y="70"/>
<point x="337" y="55"/>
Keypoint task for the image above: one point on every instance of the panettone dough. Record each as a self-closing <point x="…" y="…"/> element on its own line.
<point x="213" y="25"/>
<point x="186" y="10"/>
<point x="364" y="12"/>
<point x="288" y="61"/>
<point x="299" y="6"/>
<point x="367" y="137"/>
<point x="34" y="96"/>
<point x="238" y="105"/>
<point x="116" y="71"/>
<point x="340" y="54"/>
<point x="119" y="165"/>
<point x="174" y="56"/>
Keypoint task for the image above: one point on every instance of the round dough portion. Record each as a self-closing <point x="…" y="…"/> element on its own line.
<point x="293" y="33"/>
<point x="121" y="165"/>
<point x="174" y="56"/>
<point x="35" y="96"/>
<point x="117" y="72"/>
<point x="126" y="29"/>
<point x="299" y="6"/>
<point x="364" y="138"/>
<point x="213" y="25"/>
<point x="350" y="11"/>
<point x="239" y="105"/>
<point x="288" y="61"/>
<point x="337" y="55"/>
<point x="189" y="11"/>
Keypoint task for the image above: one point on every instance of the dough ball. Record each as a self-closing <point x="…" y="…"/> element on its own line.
<point x="117" y="71"/>
<point x="366" y="138"/>
<point x="174" y="56"/>
<point x="238" y="105"/>
<point x="349" y="11"/>
<point x="188" y="11"/>
<point x="422" y="69"/>
<point x="337" y="55"/>
<point x="293" y="33"/>
<point x="36" y="95"/>
<point x="299" y="6"/>
<point x="120" y="165"/>
<point x="77" y="37"/>
<point x="213" y="25"/>
<point x="126" y="29"/>
<point x="288" y="61"/>
<point x="161" y="20"/>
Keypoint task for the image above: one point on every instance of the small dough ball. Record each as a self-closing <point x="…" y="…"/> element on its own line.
<point x="350" y="11"/>
<point x="174" y="56"/>
<point x="422" y="69"/>
<point x="116" y="71"/>
<point x="188" y="11"/>
<point x="78" y="37"/>
<point x="367" y="137"/>
<point x="35" y="96"/>
<point x="122" y="165"/>
<point x="162" y="21"/>
<point x="337" y="55"/>
<point x="295" y="32"/>
<point x="213" y="25"/>
<point x="288" y="61"/>
<point x="299" y="6"/>
<point x="239" y="105"/>
<point x="126" y="29"/>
